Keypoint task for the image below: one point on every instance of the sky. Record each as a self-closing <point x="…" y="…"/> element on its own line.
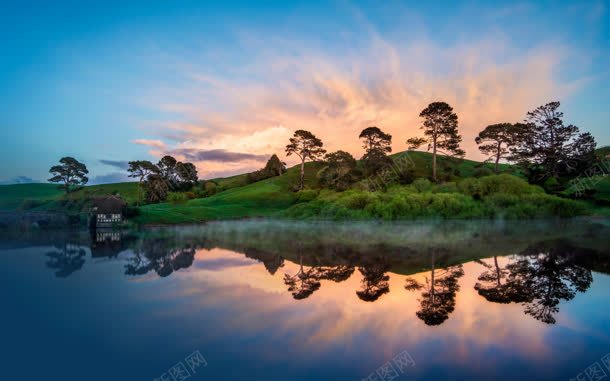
<point x="225" y="84"/>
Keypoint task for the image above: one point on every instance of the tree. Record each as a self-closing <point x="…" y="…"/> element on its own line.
<point x="496" y="140"/>
<point x="374" y="282"/>
<point x="340" y="170"/>
<point x="377" y="145"/>
<point x="275" y="166"/>
<point x="375" y="139"/>
<point x="70" y="172"/>
<point x="306" y="146"/>
<point x="493" y="285"/>
<point x="186" y="174"/>
<point x="441" y="132"/>
<point x="157" y="188"/>
<point x="303" y="283"/>
<point x="140" y="169"/>
<point x="548" y="273"/>
<point x="547" y="148"/>
<point x="66" y="259"/>
<point x="438" y="298"/>
<point x="167" y="169"/>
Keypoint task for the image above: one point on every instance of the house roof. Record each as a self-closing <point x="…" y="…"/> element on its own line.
<point x="109" y="205"/>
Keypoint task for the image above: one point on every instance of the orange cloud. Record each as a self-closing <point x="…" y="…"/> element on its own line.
<point x="386" y="85"/>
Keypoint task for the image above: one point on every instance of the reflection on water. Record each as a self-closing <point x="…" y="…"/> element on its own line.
<point x="537" y="274"/>
<point x="418" y="275"/>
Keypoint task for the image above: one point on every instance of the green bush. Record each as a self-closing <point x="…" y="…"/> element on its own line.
<point x="446" y="188"/>
<point x="505" y="183"/>
<point x="470" y="187"/>
<point x="356" y="199"/>
<point x="176" y="198"/>
<point x="306" y="195"/>
<point x="422" y="185"/>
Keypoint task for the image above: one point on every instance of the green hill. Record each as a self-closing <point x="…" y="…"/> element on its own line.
<point x="16" y="196"/>
<point x="238" y="199"/>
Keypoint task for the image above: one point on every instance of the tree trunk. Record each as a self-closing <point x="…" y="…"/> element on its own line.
<point x="302" y="183"/>
<point x="140" y="192"/>
<point x="497" y="270"/>
<point x="434" y="159"/>
<point x="498" y="157"/>
<point x="432" y="289"/>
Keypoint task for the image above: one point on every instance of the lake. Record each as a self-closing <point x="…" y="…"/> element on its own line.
<point x="279" y="300"/>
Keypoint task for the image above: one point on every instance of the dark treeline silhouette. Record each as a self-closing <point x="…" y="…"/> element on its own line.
<point x="161" y="178"/>
<point x="539" y="278"/>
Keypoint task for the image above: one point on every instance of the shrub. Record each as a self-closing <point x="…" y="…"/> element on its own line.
<point x="176" y="198"/>
<point x="482" y="172"/>
<point x="470" y="187"/>
<point x="306" y="195"/>
<point x="446" y="188"/>
<point x="356" y="199"/>
<point x="505" y="183"/>
<point x="422" y="185"/>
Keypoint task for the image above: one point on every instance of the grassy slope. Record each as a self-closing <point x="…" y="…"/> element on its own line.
<point x="261" y="199"/>
<point x="12" y="197"/>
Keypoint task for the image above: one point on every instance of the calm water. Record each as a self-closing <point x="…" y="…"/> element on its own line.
<point x="264" y="300"/>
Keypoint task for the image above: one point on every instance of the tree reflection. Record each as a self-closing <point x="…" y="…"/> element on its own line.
<point x="494" y="287"/>
<point x="374" y="280"/>
<point x="66" y="259"/>
<point x="272" y="262"/>
<point x="439" y="291"/>
<point x="160" y="256"/>
<point x="547" y="274"/>
<point x="303" y="283"/>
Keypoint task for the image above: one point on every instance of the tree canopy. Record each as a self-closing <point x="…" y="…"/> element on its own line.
<point x="547" y="148"/>
<point x="70" y="172"/>
<point x="440" y="127"/>
<point x="496" y="140"/>
<point x="306" y="146"/>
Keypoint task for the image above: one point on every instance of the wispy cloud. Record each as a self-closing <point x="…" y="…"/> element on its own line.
<point x="115" y="177"/>
<point x="115" y="163"/>
<point x="376" y="81"/>
<point x="217" y="155"/>
<point x="150" y="142"/>
<point x="19" y="180"/>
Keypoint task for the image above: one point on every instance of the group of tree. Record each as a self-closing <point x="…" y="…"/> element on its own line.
<point x="540" y="278"/>
<point x="543" y="146"/>
<point x="159" y="179"/>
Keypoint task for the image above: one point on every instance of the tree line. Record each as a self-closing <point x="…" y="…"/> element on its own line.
<point x="544" y="147"/>
<point x="547" y="151"/>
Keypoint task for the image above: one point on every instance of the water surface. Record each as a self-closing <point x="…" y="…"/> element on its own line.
<point x="309" y="301"/>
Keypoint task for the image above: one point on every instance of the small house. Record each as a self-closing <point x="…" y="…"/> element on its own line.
<point x="108" y="211"/>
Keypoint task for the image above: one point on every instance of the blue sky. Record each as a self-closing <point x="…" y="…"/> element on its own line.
<point x="225" y="84"/>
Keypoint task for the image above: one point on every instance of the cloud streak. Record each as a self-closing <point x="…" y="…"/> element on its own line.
<point x="115" y="163"/>
<point x="217" y="155"/>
